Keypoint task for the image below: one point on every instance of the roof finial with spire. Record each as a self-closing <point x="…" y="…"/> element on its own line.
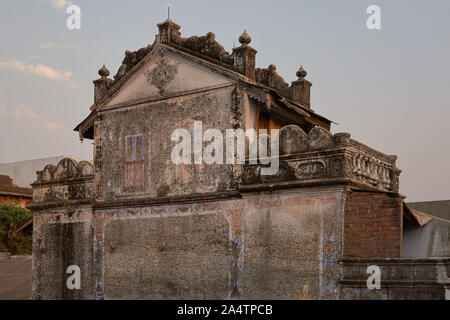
<point x="245" y="39"/>
<point x="301" y="73"/>
<point x="103" y="72"/>
<point x="244" y="57"/>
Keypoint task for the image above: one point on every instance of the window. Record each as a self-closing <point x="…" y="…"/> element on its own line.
<point x="134" y="147"/>
<point x="134" y="156"/>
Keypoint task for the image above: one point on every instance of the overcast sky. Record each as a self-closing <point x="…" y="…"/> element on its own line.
<point x="389" y="88"/>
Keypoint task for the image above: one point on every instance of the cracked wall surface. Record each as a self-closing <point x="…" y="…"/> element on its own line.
<point x="157" y="121"/>
<point x="279" y="246"/>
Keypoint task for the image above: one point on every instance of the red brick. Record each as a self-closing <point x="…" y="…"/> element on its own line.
<point x="372" y="225"/>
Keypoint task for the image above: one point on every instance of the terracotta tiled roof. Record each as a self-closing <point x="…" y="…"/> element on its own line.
<point x="8" y="188"/>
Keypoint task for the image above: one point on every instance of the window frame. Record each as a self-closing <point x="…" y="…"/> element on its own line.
<point x="133" y="138"/>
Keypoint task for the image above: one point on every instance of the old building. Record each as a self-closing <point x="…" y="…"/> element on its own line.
<point x="141" y="226"/>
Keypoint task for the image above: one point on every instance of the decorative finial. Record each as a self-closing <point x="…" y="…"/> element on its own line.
<point x="245" y="39"/>
<point x="168" y="11"/>
<point x="301" y="73"/>
<point x="103" y="72"/>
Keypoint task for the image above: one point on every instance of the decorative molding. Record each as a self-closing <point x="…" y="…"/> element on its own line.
<point x="162" y="75"/>
<point x="66" y="169"/>
<point x="310" y="169"/>
<point x="320" y="156"/>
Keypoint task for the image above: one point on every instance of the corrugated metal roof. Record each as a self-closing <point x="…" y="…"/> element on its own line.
<point x="417" y="217"/>
<point x="439" y="209"/>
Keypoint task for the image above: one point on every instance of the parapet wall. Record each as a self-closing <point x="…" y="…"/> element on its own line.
<point x="69" y="181"/>
<point x="400" y="279"/>
<point x="322" y="158"/>
<point x="62" y="229"/>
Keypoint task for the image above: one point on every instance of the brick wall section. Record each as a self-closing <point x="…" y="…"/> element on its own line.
<point x="373" y="225"/>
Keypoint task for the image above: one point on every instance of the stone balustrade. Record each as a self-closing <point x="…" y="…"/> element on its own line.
<point x="320" y="157"/>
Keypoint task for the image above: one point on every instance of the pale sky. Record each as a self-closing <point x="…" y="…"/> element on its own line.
<point x="389" y="88"/>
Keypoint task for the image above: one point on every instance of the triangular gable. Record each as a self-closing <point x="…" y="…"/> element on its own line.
<point x="165" y="73"/>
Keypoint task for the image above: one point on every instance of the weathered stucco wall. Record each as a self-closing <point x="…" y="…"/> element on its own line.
<point x="292" y="245"/>
<point x="167" y="257"/>
<point x="62" y="238"/>
<point x="283" y="245"/>
<point x="68" y="181"/>
<point x="157" y="175"/>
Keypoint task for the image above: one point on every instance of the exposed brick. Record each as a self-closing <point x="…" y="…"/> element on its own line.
<point x="372" y="225"/>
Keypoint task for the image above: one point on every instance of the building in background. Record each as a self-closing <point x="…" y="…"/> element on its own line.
<point x="440" y="209"/>
<point x="12" y="194"/>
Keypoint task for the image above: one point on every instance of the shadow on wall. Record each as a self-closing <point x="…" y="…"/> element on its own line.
<point x="427" y="236"/>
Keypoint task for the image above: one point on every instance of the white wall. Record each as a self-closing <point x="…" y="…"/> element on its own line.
<point x="23" y="173"/>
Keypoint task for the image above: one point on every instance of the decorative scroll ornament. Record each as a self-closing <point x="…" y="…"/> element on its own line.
<point x="162" y="75"/>
<point x="98" y="93"/>
<point x="310" y="169"/>
<point x="163" y="36"/>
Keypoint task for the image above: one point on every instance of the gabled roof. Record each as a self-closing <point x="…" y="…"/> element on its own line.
<point x="158" y="50"/>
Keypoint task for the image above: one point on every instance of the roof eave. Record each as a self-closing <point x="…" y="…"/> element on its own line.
<point x="281" y="97"/>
